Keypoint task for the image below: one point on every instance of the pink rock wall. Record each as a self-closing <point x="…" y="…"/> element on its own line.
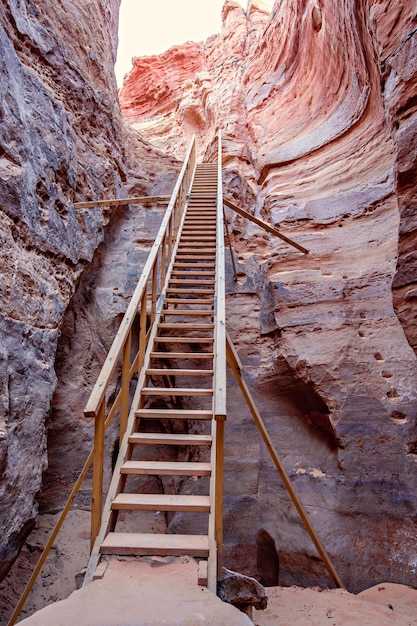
<point x="316" y="102"/>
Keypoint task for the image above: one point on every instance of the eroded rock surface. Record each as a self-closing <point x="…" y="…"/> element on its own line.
<point x="62" y="139"/>
<point x="317" y="106"/>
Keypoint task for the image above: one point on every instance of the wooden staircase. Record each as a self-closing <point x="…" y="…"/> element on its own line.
<point x="175" y="426"/>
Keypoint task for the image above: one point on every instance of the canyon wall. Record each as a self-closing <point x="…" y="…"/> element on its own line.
<point x="316" y="101"/>
<point x="62" y="139"/>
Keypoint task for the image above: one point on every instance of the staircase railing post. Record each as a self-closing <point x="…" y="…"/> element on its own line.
<point x="124" y="402"/>
<point x="98" y="462"/>
<point x="220" y="381"/>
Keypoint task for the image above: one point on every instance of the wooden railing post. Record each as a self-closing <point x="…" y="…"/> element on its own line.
<point x="142" y="330"/>
<point x="124" y="402"/>
<point x="98" y="462"/>
<point x="219" y="396"/>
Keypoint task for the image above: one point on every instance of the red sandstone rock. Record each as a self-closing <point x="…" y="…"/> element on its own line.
<point x="319" y="125"/>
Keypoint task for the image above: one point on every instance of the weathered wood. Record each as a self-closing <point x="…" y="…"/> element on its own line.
<point x="163" y="371"/>
<point x="98" y="461"/>
<point x="229" y="241"/>
<point x="173" y="439"/>
<point x="182" y="355"/>
<point x="236" y="366"/>
<point x="120" y="201"/>
<point x="166" y="468"/>
<point x="174" y="414"/>
<point x="176" y="391"/>
<point x="160" y="502"/>
<point x="265" y="225"/>
<point x="151" y="544"/>
<point x="113" y="356"/>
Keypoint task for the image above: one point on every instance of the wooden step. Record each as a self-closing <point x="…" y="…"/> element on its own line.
<point x="184" y="340"/>
<point x="176" y="391"/>
<point x="208" y="265"/>
<point x="182" y="355"/>
<point x="185" y="326"/>
<point x="137" y="544"/>
<point x="159" y="502"/>
<point x="208" y="301"/>
<point x="188" y="257"/>
<point x="171" y="439"/>
<point x="166" y="468"/>
<point x="196" y="250"/>
<point x="193" y="272"/>
<point x="182" y="312"/>
<point x="152" y="371"/>
<point x="174" y="414"/>
<point x="194" y="281"/>
<point x="177" y="290"/>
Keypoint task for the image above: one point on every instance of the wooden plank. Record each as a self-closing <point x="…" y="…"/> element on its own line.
<point x="185" y="326"/>
<point x="184" y="340"/>
<point x="166" y="468"/>
<point x="179" y="290"/>
<point x="189" y="312"/>
<point x="120" y="201"/>
<point x="265" y="225"/>
<point x="176" y="391"/>
<point x="155" y="544"/>
<point x="173" y="439"/>
<point x="187" y="257"/>
<point x="174" y="414"/>
<point x="236" y="367"/>
<point x="160" y="502"/>
<point x="177" y="372"/>
<point x="207" y="301"/>
<point x="194" y="281"/>
<point x="181" y="355"/>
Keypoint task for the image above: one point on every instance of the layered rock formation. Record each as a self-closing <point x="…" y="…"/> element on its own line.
<point x="62" y="139"/>
<point x="316" y="102"/>
<point x="318" y="115"/>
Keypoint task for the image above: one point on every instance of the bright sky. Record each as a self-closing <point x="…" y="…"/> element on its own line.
<point x="149" y="27"/>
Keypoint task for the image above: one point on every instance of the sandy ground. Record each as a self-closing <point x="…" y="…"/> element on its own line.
<point x="156" y="591"/>
<point x="67" y="557"/>
<point x="382" y="605"/>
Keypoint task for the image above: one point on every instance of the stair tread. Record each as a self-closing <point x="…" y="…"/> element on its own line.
<point x="191" y="312"/>
<point x="160" y="502"/>
<point x="162" y="371"/>
<point x="185" y="326"/>
<point x="155" y="544"/>
<point x="184" y="340"/>
<point x="170" y="439"/>
<point x="192" y="414"/>
<point x="176" y="391"/>
<point x="169" y="468"/>
<point x="182" y="355"/>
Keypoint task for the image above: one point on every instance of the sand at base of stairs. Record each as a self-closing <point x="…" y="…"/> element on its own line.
<point x="133" y="593"/>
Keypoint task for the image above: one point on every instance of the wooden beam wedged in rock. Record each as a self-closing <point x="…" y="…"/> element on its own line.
<point x="236" y="366"/>
<point x="119" y="201"/>
<point x="264" y="225"/>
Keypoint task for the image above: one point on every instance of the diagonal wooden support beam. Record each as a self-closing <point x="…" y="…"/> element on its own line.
<point x="235" y="364"/>
<point x="264" y="225"/>
<point x="120" y="201"/>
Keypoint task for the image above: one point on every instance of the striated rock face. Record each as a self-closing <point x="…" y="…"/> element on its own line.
<point x="62" y="139"/>
<point x="317" y="104"/>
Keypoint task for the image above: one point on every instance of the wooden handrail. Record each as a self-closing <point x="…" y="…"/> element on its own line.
<point x="119" y="353"/>
<point x="219" y="393"/>
<point x="220" y="299"/>
<point x="129" y="317"/>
